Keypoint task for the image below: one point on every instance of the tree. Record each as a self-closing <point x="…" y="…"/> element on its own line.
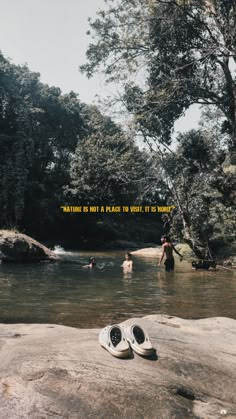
<point x="15" y="144"/>
<point x="107" y="167"/>
<point x="40" y="129"/>
<point x="186" y="50"/>
<point x="182" y="52"/>
<point x="207" y="207"/>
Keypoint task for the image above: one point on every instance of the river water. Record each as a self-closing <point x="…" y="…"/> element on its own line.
<point x="68" y="294"/>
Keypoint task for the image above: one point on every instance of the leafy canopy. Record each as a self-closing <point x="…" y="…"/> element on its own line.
<point x="185" y="51"/>
<point x="107" y="167"/>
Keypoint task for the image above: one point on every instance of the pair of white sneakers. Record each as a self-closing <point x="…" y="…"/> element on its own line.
<point x="119" y="340"/>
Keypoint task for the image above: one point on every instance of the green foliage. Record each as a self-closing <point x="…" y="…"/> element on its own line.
<point x="107" y="167"/>
<point x="168" y="55"/>
<point x="40" y="129"/>
<point x="183" y="50"/>
<point x="54" y="150"/>
<point x="206" y="192"/>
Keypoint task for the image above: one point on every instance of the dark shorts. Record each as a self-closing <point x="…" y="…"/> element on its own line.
<point x="169" y="264"/>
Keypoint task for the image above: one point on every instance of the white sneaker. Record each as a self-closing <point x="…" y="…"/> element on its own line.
<point x="138" y="340"/>
<point x="113" y="339"/>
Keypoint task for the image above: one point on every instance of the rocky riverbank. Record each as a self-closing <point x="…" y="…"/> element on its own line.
<point x="62" y="372"/>
<point x="17" y="247"/>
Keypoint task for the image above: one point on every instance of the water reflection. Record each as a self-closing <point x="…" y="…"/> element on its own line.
<point x="68" y="294"/>
<point x="127" y="275"/>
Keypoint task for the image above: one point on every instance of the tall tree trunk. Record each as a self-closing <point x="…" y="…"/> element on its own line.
<point x="233" y="156"/>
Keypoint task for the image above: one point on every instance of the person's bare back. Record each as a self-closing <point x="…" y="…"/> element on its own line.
<point x="167" y="251"/>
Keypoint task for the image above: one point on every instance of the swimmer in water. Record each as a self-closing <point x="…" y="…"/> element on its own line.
<point x="92" y="263"/>
<point x="127" y="265"/>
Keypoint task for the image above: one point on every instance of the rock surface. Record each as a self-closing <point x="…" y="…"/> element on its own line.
<point x="148" y="252"/>
<point x="185" y="250"/>
<point x="153" y="252"/>
<point x="17" y="247"/>
<point x="50" y="371"/>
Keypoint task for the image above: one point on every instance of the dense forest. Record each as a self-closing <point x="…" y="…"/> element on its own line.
<point x="165" y="55"/>
<point x="57" y="151"/>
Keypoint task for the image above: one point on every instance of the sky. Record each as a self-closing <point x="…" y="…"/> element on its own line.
<point x="50" y="36"/>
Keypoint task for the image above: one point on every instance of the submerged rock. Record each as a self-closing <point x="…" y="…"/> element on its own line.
<point x="62" y="372"/>
<point x="17" y="247"/>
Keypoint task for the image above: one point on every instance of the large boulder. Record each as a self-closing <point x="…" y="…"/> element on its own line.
<point x="49" y="371"/>
<point x="17" y="247"/>
<point x="185" y="250"/>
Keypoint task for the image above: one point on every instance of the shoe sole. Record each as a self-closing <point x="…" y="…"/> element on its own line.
<point x="123" y="354"/>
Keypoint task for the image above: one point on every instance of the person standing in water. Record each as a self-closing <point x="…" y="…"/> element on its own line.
<point x="127" y="265"/>
<point x="167" y="251"/>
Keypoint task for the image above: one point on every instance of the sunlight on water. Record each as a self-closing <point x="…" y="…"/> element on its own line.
<point x="66" y="293"/>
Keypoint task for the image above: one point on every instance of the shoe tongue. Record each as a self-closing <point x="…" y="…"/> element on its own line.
<point x="115" y="335"/>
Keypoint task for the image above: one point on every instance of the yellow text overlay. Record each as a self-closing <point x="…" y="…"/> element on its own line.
<point x="109" y="209"/>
